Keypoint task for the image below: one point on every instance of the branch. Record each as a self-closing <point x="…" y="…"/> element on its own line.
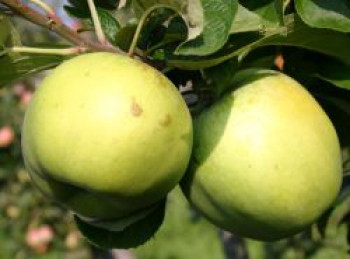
<point x="51" y="13"/>
<point x="56" y="26"/>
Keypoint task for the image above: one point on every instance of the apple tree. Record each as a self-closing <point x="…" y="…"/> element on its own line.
<point x="210" y="50"/>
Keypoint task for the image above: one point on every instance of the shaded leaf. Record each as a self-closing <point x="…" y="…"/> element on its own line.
<point x="305" y="65"/>
<point x="80" y="9"/>
<point x="335" y="73"/>
<point x="14" y="68"/>
<point x="121" y="224"/>
<point x="328" y="42"/>
<point x="154" y="29"/>
<point x="141" y="6"/>
<point x="5" y="29"/>
<point x="124" y="36"/>
<point x="333" y="14"/>
<point x="132" y="236"/>
<point x="208" y="22"/>
<point x="221" y="77"/>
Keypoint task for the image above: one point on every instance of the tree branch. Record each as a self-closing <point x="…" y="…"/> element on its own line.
<point x="57" y="26"/>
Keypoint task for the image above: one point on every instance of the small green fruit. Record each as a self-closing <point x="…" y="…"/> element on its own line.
<point x="110" y="131"/>
<point x="266" y="159"/>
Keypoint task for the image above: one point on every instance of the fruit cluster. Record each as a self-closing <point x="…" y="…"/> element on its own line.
<point x="108" y="137"/>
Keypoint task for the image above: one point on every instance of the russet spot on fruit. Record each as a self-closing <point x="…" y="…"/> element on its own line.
<point x="106" y="135"/>
<point x="266" y="159"/>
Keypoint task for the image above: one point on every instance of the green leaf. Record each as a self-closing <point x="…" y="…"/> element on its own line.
<point x="132" y="236"/>
<point x="216" y="21"/>
<point x="330" y="252"/>
<point x="124" y="36"/>
<point x="80" y="9"/>
<point x="109" y="24"/>
<point x="5" y="29"/>
<point x="208" y="22"/>
<point x="328" y="42"/>
<point x="334" y="14"/>
<point x="335" y="73"/>
<point x="279" y="5"/>
<point x="245" y="20"/>
<point x="141" y="6"/>
<point x="258" y="16"/>
<point x="121" y="224"/>
<point x="154" y="29"/>
<point x="220" y="77"/>
<point x="336" y="102"/>
<point x="16" y="67"/>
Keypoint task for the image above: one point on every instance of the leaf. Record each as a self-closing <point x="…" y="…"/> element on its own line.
<point x="334" y="14"/>
<point x="208" y="22"/>
<point x="279" y="5"/>
<point x="132" y="236"/>
<point x="109" y="24"/>
<point x="5" y="29"/>
<point x="258" y="15"/>
<point x="328" y="42"/>
<point x="336" y="102"/>
<point x="306" y="66"/>
<point x="141" y="6"/>
<point x="335" y="73"/>
<point x="14" y="68"/>
<point x="216" y="23"/>
<point x="124" y="36"/>
<point x="154" y="29"/>
<point x="80" y="9"/>
<point x="221" y="77"/>
<point x="121" y="224"/>
<point x="245" y="21"/>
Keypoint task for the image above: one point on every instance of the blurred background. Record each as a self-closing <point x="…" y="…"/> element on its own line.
<point x="31" y="226"/>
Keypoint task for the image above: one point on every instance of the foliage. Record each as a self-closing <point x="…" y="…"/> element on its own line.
<point x="24" y="211"/>
<point x="200" y="45"/>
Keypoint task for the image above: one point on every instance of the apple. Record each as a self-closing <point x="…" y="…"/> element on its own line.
<point x="266" y="159"/>
<point x="106" y="135"/>
<point x="7" y="136"/>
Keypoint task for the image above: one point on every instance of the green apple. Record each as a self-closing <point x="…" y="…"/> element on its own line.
<point x="266" y="159"/>
<point x="106" y="135"/>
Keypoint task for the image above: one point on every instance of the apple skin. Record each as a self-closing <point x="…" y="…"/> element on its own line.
<point x="108" y="125"/>
<point x="266" y="159"/>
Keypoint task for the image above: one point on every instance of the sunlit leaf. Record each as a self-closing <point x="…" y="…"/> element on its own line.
<point x="334" y="14"/>
<point x="208" y="22"/>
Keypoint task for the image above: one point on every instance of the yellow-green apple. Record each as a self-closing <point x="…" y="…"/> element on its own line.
<point x="106" y="135"/>
<point x="266" y="158"/>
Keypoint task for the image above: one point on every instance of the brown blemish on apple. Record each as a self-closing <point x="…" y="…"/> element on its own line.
<point x="136" y="109"/>
<point x="166" y="120"/>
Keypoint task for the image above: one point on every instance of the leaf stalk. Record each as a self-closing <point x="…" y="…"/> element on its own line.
<point x="61" y="52"/>
<point x="97" y="23"/>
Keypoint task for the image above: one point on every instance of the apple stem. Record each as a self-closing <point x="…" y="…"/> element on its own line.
<point x="140" y="25"/>
<point x="97" y="24"/>
<point x="61" y="52"/>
